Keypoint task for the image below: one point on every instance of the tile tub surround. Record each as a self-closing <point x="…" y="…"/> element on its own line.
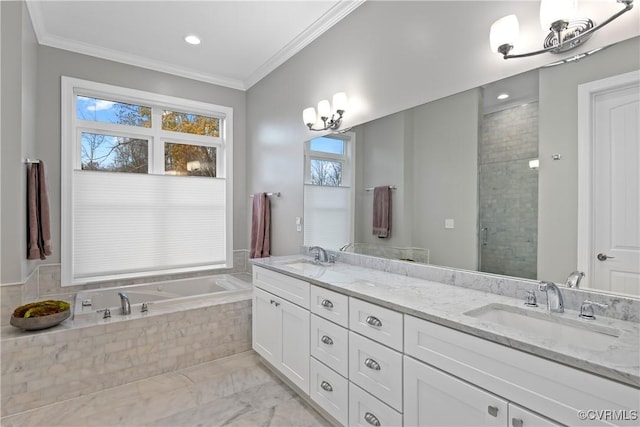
<point x="234" y="391"/>
<point x="44" y="283"/>
<point x="444" y="304"/>
<point x="43" y="367"/>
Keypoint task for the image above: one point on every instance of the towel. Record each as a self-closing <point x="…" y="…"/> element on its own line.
<point x="39" y="222"/>
<point x="260" y="227"/>
<point x="382" y="212"/>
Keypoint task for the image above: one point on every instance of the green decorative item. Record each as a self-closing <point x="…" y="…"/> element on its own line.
<point x="40" y="315"/>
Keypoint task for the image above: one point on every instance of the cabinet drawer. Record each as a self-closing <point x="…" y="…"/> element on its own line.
<point x="330" y="305"/>
<point x="520" y="417"/>
<point x="377" y="369"/>
<point x="549" y="388"/>
<point x="330" y="344"/>
<point x="366" y="411"/>
<point x="375" y="322"/>
<point x="330" y="391"/>
<point x="289" y="288"/>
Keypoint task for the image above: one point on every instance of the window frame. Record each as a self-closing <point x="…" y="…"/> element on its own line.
<point x="71" y="154"/>
<point x="346" y="158"/>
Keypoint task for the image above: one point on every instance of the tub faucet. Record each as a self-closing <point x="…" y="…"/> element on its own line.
<point x="555" y="303"/>
<point x="124" y="302"/>
<point x="573" y="281"/>
<point x="320" y="255"/>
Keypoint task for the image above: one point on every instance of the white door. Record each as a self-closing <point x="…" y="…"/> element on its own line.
<point x="614" y="128"/>
<point x="435" y="398"/>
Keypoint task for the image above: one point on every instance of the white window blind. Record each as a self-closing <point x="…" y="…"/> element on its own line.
<point x="129" y="224"/>
<point x="327" y="216"/>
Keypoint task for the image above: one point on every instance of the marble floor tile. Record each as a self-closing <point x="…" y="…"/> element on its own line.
<point x="235" y="391"/>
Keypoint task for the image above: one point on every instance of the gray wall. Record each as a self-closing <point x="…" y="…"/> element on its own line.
<point x="387" y="56"/>
<point x="19" y="65"/>
<point x="445" y="178"/>
<point x="558" y="204"/>
<point x="42" y="140"/>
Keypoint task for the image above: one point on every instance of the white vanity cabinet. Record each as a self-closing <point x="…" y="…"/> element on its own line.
<point x="467" y="375"/>
<point x="281" y="328"/>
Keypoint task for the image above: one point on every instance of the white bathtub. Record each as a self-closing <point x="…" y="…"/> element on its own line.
<point x="158" y="293"/>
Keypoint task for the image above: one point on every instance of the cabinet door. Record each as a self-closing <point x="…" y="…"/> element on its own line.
<point x="266" y="326"/>
<point x="520" y="417"/>
<point x="434" y="398"/>
<point x="294" y="332"/>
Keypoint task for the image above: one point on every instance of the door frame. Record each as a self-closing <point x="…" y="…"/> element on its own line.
<point x="587" y="93"/>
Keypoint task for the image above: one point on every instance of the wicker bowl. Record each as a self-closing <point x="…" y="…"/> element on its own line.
<point x="40" y="315"/>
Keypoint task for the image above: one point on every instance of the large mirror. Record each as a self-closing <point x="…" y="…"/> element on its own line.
<point x="488" y="184"/>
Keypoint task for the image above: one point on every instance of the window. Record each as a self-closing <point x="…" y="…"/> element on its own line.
<point x="328" y="191"/>
<point x="146" y="186"/>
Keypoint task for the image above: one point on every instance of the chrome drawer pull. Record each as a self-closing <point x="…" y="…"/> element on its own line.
<point x="371" y="364"/>
<point x="275" y="302"/>
<point x="326" y="340"/>
<point x="517" y="422"/>
<point x="326" y="386"/>
<point x="371" y="419"/>
<point x="326" y="303"/>
<point x="374" y="321"/>
<point x="492" y="410"/>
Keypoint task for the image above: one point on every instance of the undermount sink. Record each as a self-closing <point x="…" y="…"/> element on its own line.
<point x="305" y="266"/>
<point x="562" y="329"/>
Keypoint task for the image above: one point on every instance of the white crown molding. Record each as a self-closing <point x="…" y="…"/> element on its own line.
<point x="315" y="30"/>
<point x="326" y="21"/>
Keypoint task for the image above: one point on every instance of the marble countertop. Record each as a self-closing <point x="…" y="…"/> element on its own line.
<point x="446" y="305"/>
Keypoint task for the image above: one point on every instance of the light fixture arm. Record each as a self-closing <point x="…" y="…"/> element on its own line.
<point x="580" y="31"/>
<point x="332" y="123"/>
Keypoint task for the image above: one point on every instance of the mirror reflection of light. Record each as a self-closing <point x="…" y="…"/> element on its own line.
<point x="503" y="96"/>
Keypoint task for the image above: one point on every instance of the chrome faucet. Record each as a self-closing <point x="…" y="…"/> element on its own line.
<point x="319" y="254"/>
<point x="124" y="303"/>
<point x="573" y="281"/>
<point x="555" y="303"/>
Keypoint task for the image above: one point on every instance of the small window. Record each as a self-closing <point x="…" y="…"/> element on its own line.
<point x="102" y="110"/>
<point x="191" y="160"/>
<point x="327" y="145"/>
<point x="190" y="123"/>
<point x="326" y="172"/>
<point x="111" y="153"/>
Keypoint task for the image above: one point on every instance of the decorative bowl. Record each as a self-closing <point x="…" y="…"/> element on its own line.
<point x="42" y="322"/>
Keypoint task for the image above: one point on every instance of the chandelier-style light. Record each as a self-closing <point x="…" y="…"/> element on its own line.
<point x="566" y="31"/>
<point x="331" y="119"/>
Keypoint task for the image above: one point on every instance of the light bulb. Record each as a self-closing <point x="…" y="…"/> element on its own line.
<point x="505" y="30"/>
<point x="340" y="101"/>
<point x="309" y="115"/>
<point x="556" y="10"/>
<point x="324" y="108"/>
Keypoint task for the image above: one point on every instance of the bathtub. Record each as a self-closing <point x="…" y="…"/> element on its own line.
<point x="158" y="294"/>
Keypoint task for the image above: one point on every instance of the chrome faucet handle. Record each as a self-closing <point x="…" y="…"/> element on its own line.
<point x="586" y="309"/>
<point x="106" y="311"/>
<point x="145" y="307"/>
<point x="333" y="258"/>
<point x="530" y="300"/>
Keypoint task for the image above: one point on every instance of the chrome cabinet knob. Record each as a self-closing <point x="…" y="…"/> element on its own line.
<point x="326" y="386"/>
<point x="517" y="422"/>
<point x="374" y="321"/>
<point x="326" y="303"/>
<point x="326" y="340"/>
<point x="371" y="364"/>
<point x="492" y="410"/>
<point x="371" y="419"/>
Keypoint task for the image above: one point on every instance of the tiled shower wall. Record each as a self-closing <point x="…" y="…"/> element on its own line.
<point x="508" y="192"/>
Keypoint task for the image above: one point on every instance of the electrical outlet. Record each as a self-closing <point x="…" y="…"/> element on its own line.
<point x="448" y="223"/>
<point x="298" y="224"/>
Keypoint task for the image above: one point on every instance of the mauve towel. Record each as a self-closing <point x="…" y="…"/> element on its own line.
<point x="260" y="227"/>
<point x="382" y="212"/>
<point x="39" y="223"/>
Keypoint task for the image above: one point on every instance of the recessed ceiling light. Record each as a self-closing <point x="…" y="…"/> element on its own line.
<point x="503" y="96"/>
<point x="192" y="39"/>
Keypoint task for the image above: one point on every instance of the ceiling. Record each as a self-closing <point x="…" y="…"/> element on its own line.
<point x="242" y="40"/>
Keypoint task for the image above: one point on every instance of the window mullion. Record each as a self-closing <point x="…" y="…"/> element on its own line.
<point x="157" y="150"/>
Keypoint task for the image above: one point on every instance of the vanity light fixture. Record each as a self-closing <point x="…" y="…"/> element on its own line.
<point x="324" y="111"/>
<point x="558" y="16"/>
